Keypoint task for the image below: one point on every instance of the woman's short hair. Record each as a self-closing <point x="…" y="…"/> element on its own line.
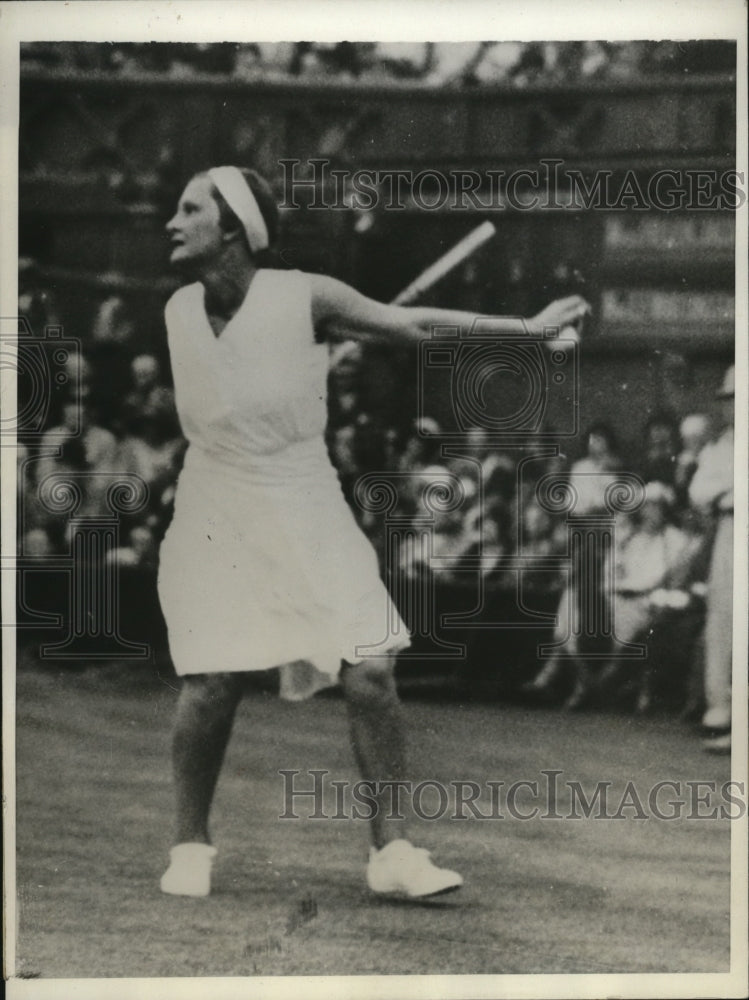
<point x="265" y="199"/>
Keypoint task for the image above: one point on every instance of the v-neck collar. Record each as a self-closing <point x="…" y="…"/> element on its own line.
<point x="221" y="337"/>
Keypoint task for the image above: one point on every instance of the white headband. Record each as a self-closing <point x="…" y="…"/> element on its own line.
<point x="236" y="192"/>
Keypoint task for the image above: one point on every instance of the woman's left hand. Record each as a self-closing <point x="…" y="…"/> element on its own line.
<point x="559" y="314"/>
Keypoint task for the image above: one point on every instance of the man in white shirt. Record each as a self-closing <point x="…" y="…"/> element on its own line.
<point x="711" y="489"/>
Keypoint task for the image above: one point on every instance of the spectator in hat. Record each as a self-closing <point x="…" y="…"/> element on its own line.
<point x="651" y="574"/>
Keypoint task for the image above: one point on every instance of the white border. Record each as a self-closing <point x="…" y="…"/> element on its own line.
<point x="337" y="20"/>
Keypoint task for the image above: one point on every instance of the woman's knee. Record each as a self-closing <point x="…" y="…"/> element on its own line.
<point x="211" y="694"/>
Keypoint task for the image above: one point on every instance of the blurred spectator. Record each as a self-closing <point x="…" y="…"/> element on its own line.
<point x="494" y="64"/>
<point x="589" y="477"/>
<point x="148" y="398"/>
<point x="343" y="456"/>
<point x="172" y="58"/>
<point x="356" y="448"/>
<point x="452" y="537"/>
<point x="660" y="449"/>
<point x="694" y="432"/>
<point x="73" y="384"/>
<point x="588" y="474"/>
<point x="113" y="323"/>
<point x="423" y="446"/>
<point x="711" y="490"/>
<point x="83" y="453"/>
<point x="471" y="63"/>
<point x="141" y="553"/>
<point x="539" y="459"/>
<point x="88" y="445"/>
<point x="271" y="58"/>
<point x="249" y="63"/>
<point x="422" y="464"/>
<point x="652" y="572"/>
<point x="79" y="377"/>
<point x="36" y="544"/>
<point x="541" y="536"/>
<point x="434" y="558"/>
<point x="409" y="61"/>
<point x="486" y="471"/>
<point x="152" y="451"/>
<point x="112" y="333"/>
<point x="344" y="383"/>
<point x="31" y="513"/>
<point x="344" y="60"/>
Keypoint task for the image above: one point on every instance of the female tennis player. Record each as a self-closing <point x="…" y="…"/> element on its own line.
<point x="263" y="565"/>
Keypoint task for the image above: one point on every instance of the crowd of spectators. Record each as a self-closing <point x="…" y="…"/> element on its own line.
<point x="467" y="522"/>
<point x="515" y="64"/>
<point x="110" y="418"/>
<point x="472" y="529"/>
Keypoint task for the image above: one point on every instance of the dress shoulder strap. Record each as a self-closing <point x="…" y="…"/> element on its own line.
<point x="182" y="303"/>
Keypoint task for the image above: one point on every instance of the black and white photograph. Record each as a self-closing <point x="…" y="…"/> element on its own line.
<point x="374" y="453"/>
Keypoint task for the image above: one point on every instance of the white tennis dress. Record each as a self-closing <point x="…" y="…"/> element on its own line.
<point x="263" y="564"/>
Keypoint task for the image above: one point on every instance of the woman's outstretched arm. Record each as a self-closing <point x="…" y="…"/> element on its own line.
<point x="339" y="312"/>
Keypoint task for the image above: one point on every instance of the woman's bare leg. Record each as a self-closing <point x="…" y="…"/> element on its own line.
<point x="205" y="714"/>
<point x="377" y="736"/>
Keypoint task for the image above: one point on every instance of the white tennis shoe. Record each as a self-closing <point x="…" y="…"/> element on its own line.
<point x="400" y="869"/>
<point x="189" y="873"/>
